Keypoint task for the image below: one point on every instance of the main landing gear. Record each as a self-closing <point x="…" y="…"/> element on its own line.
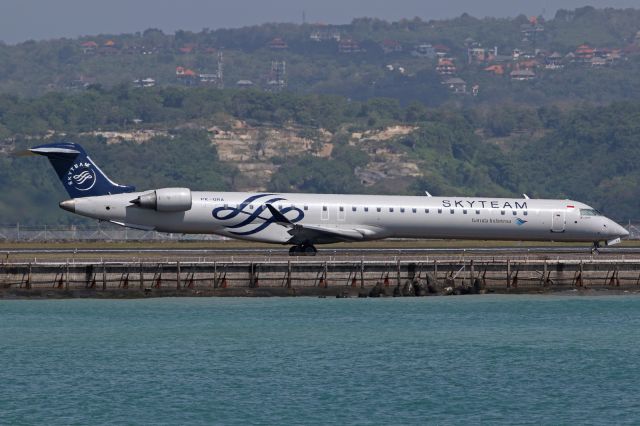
<point x="595" y="249"/>
<point x="303" y="250"/>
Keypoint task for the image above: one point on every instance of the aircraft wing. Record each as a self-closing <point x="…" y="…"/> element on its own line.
<point x="315" y="233"/>
<point x="132" y="225"/>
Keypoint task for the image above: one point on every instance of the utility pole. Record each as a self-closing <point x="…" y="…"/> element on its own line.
<point x="220" y="69"/>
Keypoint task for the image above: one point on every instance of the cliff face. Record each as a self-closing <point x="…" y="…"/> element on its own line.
<point x="258" y="152"/>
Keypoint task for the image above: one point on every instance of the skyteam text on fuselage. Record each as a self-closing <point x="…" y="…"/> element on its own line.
<point x="304" y="220"/>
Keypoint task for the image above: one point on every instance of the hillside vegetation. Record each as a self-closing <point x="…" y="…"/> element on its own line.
<point x="468" y="106"/>
<point x="584" y="54"/>
<point x="587" y="153"/>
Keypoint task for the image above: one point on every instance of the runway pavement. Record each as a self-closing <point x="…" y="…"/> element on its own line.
<point x="195" y="254"/>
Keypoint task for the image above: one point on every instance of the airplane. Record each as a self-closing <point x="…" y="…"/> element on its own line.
<point x="306" y="220"/>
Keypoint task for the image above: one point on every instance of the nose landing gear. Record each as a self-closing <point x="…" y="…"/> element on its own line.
<point x="595" y="249"/>
<point x="303" y="250"/>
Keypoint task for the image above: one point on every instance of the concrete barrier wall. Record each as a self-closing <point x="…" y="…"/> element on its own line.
<point x="440" y="276"/>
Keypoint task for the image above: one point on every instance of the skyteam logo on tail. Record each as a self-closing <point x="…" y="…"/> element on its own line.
<point x="520" y="222"/>
<point x="81" y="176"/>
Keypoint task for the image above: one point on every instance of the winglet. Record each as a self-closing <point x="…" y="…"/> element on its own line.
<point x="279" y="217"/>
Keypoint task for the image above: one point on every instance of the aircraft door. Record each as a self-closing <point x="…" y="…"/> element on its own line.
<point x="558" y="221"/>
<point x="324" y="215"/>
<point x="342" y="214"/>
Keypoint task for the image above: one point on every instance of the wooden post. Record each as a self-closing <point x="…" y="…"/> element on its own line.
<point x="66" y="278"/>
<point x="543" y="280"/>
<point x="398" y="271"/>
<point x="361" y="273"/>
<point x="255" y="269"/>
<point x="508" y="273"/>
<point x="29" y="277"/>
<point x="435" y="272"/>
<point x="177" y="275"/>
<point x="324" y="274"/>
<point x="104" y="276"/>
<point x="289" y="274"/>
<point x="472" y="273"/>
<point x="580" y="281"/>
<point x="215" y="274"/>
<point x="141" y="277"/>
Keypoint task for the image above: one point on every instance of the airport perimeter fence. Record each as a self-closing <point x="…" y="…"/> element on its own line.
<point x="100" y="232"/>
<point x="110" y="232"/>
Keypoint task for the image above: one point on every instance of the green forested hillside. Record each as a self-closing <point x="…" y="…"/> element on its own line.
<point x="548" y="107"/>
<point x="588" y="153"/>
<point x="364" y="59"/>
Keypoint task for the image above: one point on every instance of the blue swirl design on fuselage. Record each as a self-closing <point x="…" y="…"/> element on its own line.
<point x="253" y="216"/>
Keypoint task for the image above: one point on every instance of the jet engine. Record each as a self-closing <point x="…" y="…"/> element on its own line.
<point x="165" y="200"/>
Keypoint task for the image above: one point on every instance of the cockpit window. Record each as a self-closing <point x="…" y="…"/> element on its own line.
<point x="589" y="212"/>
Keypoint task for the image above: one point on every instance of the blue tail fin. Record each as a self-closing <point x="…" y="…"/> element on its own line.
<point x="80" y="176"/>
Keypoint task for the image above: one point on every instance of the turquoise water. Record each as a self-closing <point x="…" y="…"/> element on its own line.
<point x="444" y="360"/>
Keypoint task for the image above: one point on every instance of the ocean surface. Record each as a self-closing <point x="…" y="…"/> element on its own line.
<point x="437" y="360"/>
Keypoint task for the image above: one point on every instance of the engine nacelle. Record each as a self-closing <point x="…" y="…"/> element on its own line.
<point x="166" y="200"/>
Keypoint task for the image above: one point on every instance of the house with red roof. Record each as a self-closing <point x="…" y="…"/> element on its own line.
<point x="348" y="45"/>
<point x="445" y="66"/>
<point x="187" y="48"/>
<point x="277" y="44"/>
<point x="496" y="69"/>
<point x="584" y="53"/>
<point x="89" y="47"/>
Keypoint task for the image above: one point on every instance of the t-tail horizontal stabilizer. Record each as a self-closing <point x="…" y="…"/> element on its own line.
<point x="80" y="176"/>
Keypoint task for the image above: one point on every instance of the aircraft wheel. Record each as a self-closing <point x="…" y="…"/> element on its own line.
<point x="294" y="251"/>
<point x="309" y="250"/>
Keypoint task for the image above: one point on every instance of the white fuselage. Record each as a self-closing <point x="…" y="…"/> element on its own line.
<point x="363" y="217"/>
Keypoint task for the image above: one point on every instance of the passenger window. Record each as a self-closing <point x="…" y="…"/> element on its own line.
<point x="280" y="207"/>
<point x="502" y="212"/>
<point x="515" y="213"/>
<point x="464" y="212"/>
<point x="426" y="211"/>
<point x="366" y="209"/>
<point x="324" y="208"/>
<point x="390" y="209"/>
<point x="306" y="208"/>
<point x="251" y="206"/>
<point x="378" y="209"/>
<point x="414" y="210"/>
<point x="451" y="211"/>
<point x="401" y="209"/>
<point x="477" y="211"/>
<point x="525" y="212"/>
<point x="353" y="209"/>
<point x="226" y="206"/>
<point x="341" y="208"/>
<point x="439" y="211"/>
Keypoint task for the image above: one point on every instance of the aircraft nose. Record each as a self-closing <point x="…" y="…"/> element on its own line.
<point x="623" y="232"/>
<point x="68" y="205"/>
<point x="616" y="230"/>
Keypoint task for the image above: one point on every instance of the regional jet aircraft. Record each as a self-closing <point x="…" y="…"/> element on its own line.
<point x="304" y="220"/>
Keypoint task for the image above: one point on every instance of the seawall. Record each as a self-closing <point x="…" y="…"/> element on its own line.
<point x="308" y="277"/>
